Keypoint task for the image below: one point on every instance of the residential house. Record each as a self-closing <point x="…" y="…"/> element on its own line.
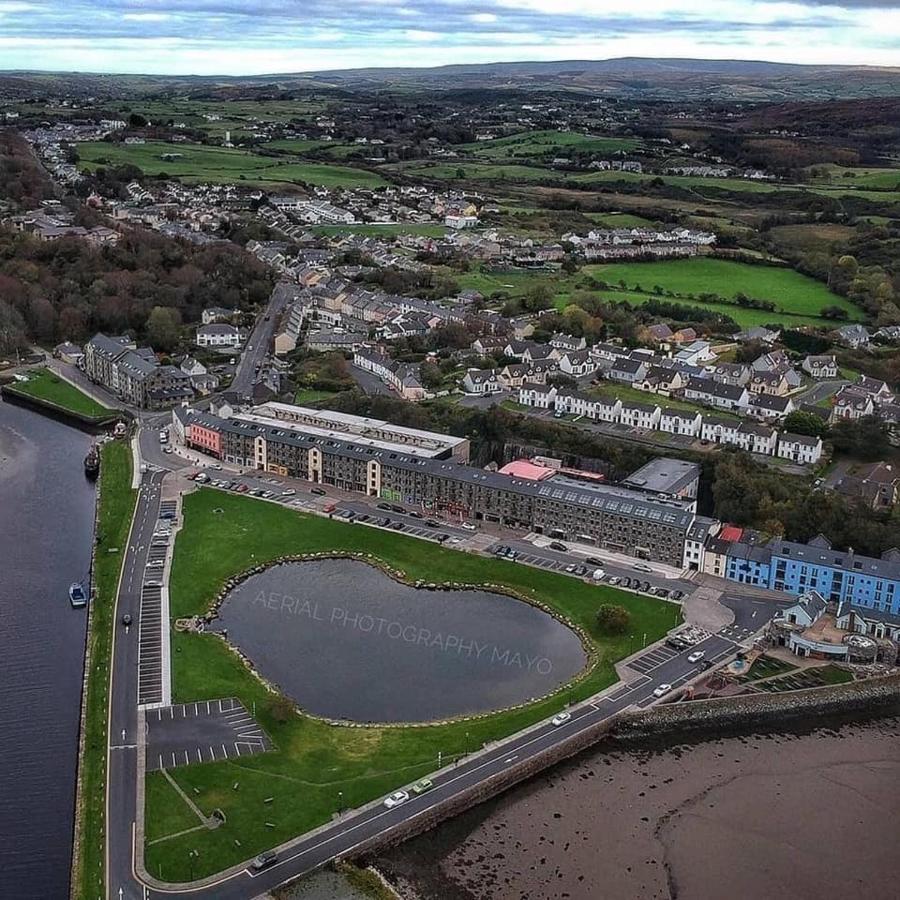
<point x="218" y="335"/>
<point x="191" y="366"/>
<point x="876" y="484"/>
<point x="730" y="373"/>
<point x="680" y="421"/>
<point x="757" y="333"/>
<point x="853" y="336"/>
<point x="576" y="363"/>
<point x="757" y="438"/>
<point x="661" y="380"/>
<point x="567" y="342"/>
<point x="69" y="353"/>
<point x="639" y="415"/>
<point x="719" y="430"/>
<point x="661" y="334"/>
<point x="482" y="381"/>
<point x="627" y="370"/>
<point x="716" y="393"/>
<point x="878" y="390"/>
<point x="538" y="395"/>
<point x="684" y="336"/>
<point x="695" y="353"/>
<point x="800" y="448"/>
<point x="214" y="314"/>
<point x="774" y="384"/>
<point x="851" y="402"/>
<point x="767" y="408"/>
<point x="820" y="366"/>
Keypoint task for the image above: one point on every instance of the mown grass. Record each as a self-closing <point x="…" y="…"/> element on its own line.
<point x="792" y="292"/>
<point x="196" y="162"/>
<point x="48" y="386"/>
<point x="541" y="143"/>
<point x="117" y="500"/>
<point x="314" y="761"/>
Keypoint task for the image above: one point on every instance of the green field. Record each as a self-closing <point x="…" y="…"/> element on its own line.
<point x="794" y="294"/>
<point x="618" y="220"/>
<point x="195" y="162"/>
<point x="117" y="501"/>
<point x="224" y="534"/>
<point x="47" y="385"/>
<point x="527" y="144"/>
<point x="866" y="178"/>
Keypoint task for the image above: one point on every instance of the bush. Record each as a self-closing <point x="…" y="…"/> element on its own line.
<point x="613" y="619"/>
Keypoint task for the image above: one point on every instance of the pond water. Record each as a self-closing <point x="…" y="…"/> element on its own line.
<point x="346" y="641"/>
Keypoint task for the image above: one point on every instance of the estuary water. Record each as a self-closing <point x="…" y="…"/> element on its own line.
<point x="46" y="530"/>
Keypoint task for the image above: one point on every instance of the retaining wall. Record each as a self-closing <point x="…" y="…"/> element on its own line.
<point x="669" y="721"/>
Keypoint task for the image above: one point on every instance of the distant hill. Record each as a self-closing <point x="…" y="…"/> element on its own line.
<point x="630" y="78"/>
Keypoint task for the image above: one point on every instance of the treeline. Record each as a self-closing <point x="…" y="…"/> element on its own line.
<point x="68" y="289"/>
<point x="750" y="494"/>
<point x="23" y="181"/>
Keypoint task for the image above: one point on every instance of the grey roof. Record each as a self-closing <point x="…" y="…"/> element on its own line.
<point x="839" y="559"/>
<point x="664" y="475"/>
<point x="791" y="438"/>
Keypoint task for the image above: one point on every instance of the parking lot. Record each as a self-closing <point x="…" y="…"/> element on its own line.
<point x="205" y="731"/>
<point x="657" y="656"/>
<point x="151" y="663"/>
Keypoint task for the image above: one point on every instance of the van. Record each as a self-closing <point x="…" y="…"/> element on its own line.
<point x="598" y="574"/>
<point x="163" y="437"/>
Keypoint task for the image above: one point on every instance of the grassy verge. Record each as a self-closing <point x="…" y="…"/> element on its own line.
<point x="49" y="387"/>
<point x="117" y="501"/>
<point x="272" y="797"/>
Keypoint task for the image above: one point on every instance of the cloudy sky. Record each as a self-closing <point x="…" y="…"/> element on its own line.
<point x="259" y="36"/>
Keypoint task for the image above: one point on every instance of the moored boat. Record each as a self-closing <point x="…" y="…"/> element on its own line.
<point x="77" y="594"/>
<point x="92" y="462"/>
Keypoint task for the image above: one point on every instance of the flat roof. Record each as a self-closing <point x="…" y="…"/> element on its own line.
<point x="522" y="468"/>
<point x="664" y="475"/>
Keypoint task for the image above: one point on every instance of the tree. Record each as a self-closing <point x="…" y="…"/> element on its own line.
<point x="163" y="328"/>
<point x="865" y="438"/>
<point x="612" y="619"/>
<point x="800" y="422"/>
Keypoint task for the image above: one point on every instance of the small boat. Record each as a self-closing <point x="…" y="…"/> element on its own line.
<point x="77" y="595"/>
<point x="92" y="462"/>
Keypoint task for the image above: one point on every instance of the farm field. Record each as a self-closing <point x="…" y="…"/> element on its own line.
<point x="866" y="178"/>
<point x="539" y="143"/>
<point x="318" y="766"/>
<point x="792" y="292"/>
<point x="195" y="162"/>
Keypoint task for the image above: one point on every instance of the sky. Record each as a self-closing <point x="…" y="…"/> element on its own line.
<point x="248" y="37"/>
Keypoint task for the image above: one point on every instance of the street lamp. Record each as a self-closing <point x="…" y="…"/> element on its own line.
<point x="340" y="802"/>
<point x="191" y="855"/>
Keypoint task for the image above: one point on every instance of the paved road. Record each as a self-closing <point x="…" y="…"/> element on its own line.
<point x="369" y="383"/>
<point x="122" y="773"/>
<point x="306" y="854"/>
<point x="258" y="346"/>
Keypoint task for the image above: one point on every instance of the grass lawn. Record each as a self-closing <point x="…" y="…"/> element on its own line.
<point x="308" y="395"/>
<point x="542" y="143"/>
<point x="315" y="760"/>
<point x="868" y="178"/>
<point x="618" y="220"/>
<point x="793" y="293"/>
<point x="628" y="394"/>
<point x="196" y="162"/>
<point x="47" y="385"/>
<point x="117" y="501"/>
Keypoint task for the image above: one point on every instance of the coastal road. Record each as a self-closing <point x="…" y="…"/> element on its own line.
<point x="303" y="855"/>
<point x="122" y="763"/>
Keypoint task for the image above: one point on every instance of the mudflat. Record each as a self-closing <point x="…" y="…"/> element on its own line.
<point x="798" y="815"/>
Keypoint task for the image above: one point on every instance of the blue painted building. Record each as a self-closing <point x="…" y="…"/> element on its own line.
<point x="838" y="575"/>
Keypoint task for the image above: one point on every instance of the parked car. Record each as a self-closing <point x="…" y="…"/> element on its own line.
<point x="317" y="491"/>
<point x="645" y="586"/>
<point x="615" y="580"/>
<point x="560" y="548"/>
<point x="423" y="785"/>
<point x="662" y="690"/>
<point x="676" y="643"/>
<point x="696" y="656"/>
<point x="642" y="567"/>
<point x="677" y="595"/>
<point x="396" y="799"/>
<point x="288" y="493"/>
<point x="386" y="506"/>
<point x="560" y="719"/>
<point x="468" y="526"/>
<point x="593" y="561"/>
<point x="431" y="523"/>
<point x="264" y="860"/>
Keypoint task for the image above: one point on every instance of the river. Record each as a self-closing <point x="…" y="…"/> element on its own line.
<point x="46" y="529"/>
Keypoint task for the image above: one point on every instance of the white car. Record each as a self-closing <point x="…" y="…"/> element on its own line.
<point x="642" y="567"/>
<point x="560" y="719"/>
<point x="468" y="526"/>
<point x="615" y="580"/>
<point x="396" y="799"/>
<point x="696" y="656"/>
<point x="662" y="690"/>
<point x="288" y="493"/>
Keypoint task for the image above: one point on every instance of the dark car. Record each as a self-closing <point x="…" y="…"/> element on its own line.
<point x="593" y="561"/>
<point x="677" y="595"/>
<point x="398" y="509"/>
<point x="363" y="518"/>
<point x="626" y="582"/>
<point x="384" y="520"/>
<point x="443" y="537"/>
<point x="556" y="545"/>
<point x="415" y="514"/>
<point x="264" y="860"/>
<point x="431" y="523"/>
<point x="317" y="491"/>
<point x="645" y="586"/>
<point x="676" y="643"/>
<point x="384" y="506"/>
<point x="396" y="525"/>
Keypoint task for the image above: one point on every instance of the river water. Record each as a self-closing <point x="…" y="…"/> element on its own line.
<point x="344" y="640"/>
<point x="46" y="530"/>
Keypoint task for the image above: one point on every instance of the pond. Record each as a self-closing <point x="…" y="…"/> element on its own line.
<point x="346" y="641"/>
